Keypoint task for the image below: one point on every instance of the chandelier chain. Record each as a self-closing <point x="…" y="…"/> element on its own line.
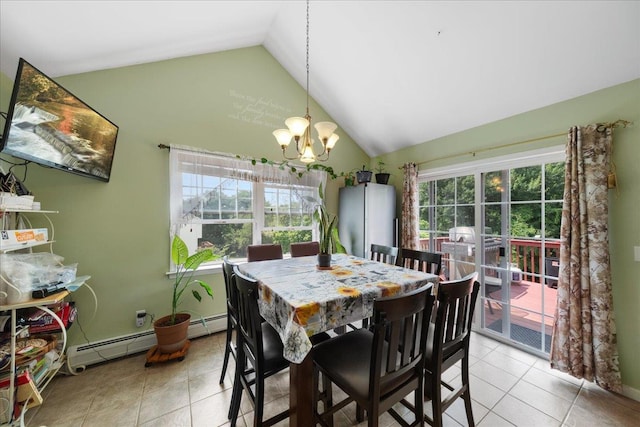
<point x="307" y="57"/>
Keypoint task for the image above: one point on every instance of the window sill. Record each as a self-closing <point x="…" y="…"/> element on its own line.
<point x="202" y="271"/>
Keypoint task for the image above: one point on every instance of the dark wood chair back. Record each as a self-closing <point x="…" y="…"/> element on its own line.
<point x="305" y="249"/>
<point x="232" y="313"/>
<point x="259" y="352"/>
<point x="448" y="343"/>
<point x="383" y="253"/>
<point x="429" y="262"/>
<point x="378" y="367"/>
<point x="264" y="252"/>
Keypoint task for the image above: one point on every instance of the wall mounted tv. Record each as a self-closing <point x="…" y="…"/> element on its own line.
<point x="48" y="125"/>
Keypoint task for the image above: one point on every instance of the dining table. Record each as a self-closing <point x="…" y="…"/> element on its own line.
<point x="300" y="299"/>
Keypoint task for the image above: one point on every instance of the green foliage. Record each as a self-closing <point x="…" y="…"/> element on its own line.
<point x="453" y="198"/>
<point x="381" y="167"/>
<point x="327" y="228"/>
<point x="284" y="165"/>
<point x="185" y="267"/>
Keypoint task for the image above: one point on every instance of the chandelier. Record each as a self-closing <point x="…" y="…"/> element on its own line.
<point x="299" y="129"/>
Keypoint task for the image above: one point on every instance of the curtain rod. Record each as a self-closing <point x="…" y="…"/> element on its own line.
<point x="200" y="150"/>
<point x="601" y="126"/>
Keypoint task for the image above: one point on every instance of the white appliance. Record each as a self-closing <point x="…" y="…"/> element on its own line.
<point x="366" y="215"/>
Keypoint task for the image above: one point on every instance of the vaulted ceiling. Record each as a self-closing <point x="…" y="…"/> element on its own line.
<point x="391" y="73"/>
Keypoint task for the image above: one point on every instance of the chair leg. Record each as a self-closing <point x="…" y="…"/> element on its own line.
<point x="259" y="403"/>
<point x="236" y="398"/>
<point x="227" y="351"/>
<point x="436" y="399"/>
<point x="325" y="396"/>
<point x="467" y="393"/>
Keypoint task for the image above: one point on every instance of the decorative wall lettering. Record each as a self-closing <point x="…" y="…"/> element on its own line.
<point x="258" y="110"/>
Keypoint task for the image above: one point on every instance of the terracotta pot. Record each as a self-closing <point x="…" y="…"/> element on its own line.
<point x="172" y="338"/>
<point x="324" y="260"/>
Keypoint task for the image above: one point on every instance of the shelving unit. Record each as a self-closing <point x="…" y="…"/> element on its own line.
<point x="40" y="303"/>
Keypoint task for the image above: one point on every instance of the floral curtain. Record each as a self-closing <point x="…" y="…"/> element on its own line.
<point x="584" y="334"/>
<point x="410" y="233"/>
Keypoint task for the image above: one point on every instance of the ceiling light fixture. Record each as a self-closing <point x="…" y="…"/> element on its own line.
<point x="299" y="129"/>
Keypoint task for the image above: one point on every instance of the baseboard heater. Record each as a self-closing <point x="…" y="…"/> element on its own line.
<point x="80" y="356"/>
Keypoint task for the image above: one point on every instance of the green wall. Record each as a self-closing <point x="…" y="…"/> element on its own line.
<point x="118" y="232"/>
<point x="617" y="102"/>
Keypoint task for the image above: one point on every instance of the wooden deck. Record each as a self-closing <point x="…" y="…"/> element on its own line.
<point x="531" y="306"/>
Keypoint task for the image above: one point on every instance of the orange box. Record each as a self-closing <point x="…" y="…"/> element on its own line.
<point x="16" y="238"/>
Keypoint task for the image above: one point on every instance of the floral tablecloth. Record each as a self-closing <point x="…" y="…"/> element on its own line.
<point x="299" y="300"/>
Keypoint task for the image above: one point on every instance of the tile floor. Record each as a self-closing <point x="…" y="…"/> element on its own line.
<point x="508" y="387"/>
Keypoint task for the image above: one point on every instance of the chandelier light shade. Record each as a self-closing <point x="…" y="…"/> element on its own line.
<point x="299" y="130"/>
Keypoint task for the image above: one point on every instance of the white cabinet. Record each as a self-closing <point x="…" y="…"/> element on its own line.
<point x="11" y="307"/>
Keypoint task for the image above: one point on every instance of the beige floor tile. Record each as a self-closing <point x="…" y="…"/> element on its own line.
<point x="603" y="406"/>
<point x="507" y="363"/>
<point x="484" y="393"/>
<point x="121" y="415"/>
<point x="159" y="402"/>
<point x="207" y="385"/>
<point x="178" y="418"/>
<point x="211" y="411"/>
<point x="493" y="420"/>
<point x="458" y="412"/>
<point x="552" y="383"/>
<point x="493" y="375"/>
<point x="542" y="400"/>
<point x="519" y="413"/>
<point x="518" y="354"/>
<point x="590" y="388"/>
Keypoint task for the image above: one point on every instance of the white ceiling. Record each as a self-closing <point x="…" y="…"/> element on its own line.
<point x="390" y="73"/>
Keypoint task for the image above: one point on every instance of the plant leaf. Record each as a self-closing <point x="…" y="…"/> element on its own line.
<point x="196" y="295"/>
<point x="198" y="258"/>
<point x="179" y="251"/>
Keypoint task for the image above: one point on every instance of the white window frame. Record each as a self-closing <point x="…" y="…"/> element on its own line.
<point x="260" y="174"/>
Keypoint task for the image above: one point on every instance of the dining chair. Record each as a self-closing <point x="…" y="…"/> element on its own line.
<point x="259" y="353"/>
<point x="305" y="249"/>
<point x="448" y="343"/>
<point x="264" y="252"/>
<point x="380" y="253"/>
<point x="429" y="262"/>
<point x="383" y="253"/>
<point x="232" y="314"/>
<point x="378" y="367"/>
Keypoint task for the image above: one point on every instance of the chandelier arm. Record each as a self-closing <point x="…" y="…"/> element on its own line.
<point x="284" y="155"/>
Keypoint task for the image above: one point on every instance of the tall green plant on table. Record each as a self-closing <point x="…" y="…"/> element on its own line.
<point x="329" y="238"/>
<point x="171" y="330"/>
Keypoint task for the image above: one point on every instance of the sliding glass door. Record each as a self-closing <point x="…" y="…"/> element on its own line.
<point x="501" y="219"/>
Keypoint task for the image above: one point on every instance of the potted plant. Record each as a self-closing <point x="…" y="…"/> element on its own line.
<point x="171" y="330"/>
<point x="349" y="177"/>
<point x="328" y="233"/>
<point x="382" y="176"/>
<point x="363" y="175"/>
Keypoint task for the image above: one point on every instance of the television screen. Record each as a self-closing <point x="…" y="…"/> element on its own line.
<point x="48" y="125"/>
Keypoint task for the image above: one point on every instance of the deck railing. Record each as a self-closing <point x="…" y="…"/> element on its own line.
<point x="525" y="253"/>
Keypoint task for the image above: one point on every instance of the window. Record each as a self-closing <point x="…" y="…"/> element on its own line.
<point x="225" y="203"/>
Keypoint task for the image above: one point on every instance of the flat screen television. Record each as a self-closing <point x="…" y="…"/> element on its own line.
<point x="48" y="125"/>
